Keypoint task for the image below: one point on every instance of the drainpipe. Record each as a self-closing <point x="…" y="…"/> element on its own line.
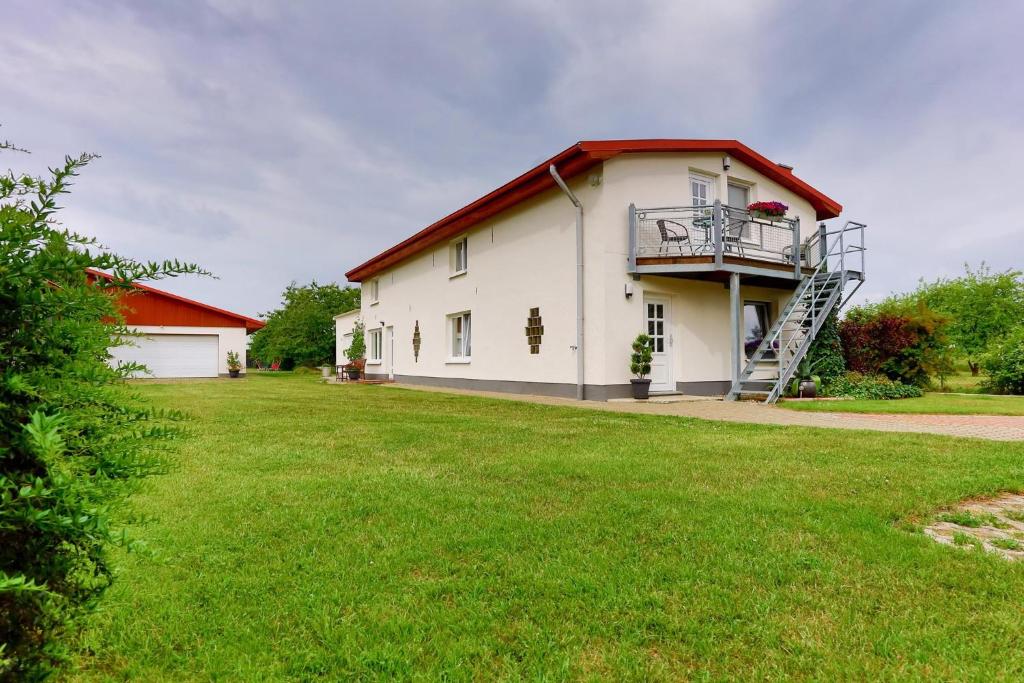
<point x="579" y="278"/>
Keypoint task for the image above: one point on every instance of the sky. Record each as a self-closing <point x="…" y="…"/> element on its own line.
<point x="273" y="142"/>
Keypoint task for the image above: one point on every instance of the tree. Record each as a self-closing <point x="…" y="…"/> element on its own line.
<point x="826" y="353"/>
<point x="301" y="332"/>
<point x="357" y="349"/>
<point x="73" y="436"/>
<point x="982" y="306"/>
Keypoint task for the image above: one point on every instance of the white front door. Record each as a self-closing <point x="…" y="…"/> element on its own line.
<point x="656" y="322"/>
<point x="389" y="351"/>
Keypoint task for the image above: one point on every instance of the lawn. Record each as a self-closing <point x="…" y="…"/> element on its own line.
<point x="365" y="532"/>
<point x="932" y="403"/>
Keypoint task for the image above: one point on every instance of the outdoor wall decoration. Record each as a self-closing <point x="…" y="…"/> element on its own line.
<point x="534" y="330"/>
<point x="416" y="342"/>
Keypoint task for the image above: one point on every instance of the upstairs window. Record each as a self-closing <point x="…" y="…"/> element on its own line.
<point x="460" y="256"/>
<point x="460" y="336"/>
<point x="373" y="291"/>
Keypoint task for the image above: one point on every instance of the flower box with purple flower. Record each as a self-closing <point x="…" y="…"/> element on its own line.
<point x="769" y="211"/>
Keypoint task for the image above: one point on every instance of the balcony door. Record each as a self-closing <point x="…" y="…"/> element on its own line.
<point x="656" y="323"/>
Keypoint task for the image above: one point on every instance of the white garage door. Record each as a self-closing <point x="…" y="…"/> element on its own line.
<point x="172" y="355"/>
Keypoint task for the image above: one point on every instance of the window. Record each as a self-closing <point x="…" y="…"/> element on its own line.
<point x="701" y="190"/>
<point x="373" y="291"/>
<point x="460" y="256"/>
<point x="756" y="321"/>
<point x="374" y="345"/>
<point x="460" y="337"/>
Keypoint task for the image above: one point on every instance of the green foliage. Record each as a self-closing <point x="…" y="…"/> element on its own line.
<point x="856" y="385"/>
<point x="357" y="350"/>
<point x="825" y="356"/>
<point x="1004" y="363"/>
<point x="73" y="438"/>
<point x="982" y="306"/>
<point x="640" y="359"/>
<point x="900" y="338"/>
<point x="234" y="362"/>
<point x="301" y="332"/>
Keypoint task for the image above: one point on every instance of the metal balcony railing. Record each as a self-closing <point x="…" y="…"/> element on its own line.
<point x="717" y="231"/>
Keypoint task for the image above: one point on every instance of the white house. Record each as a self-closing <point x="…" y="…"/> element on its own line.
<point x="344" y="328"/>
<point x="541" y="285"/>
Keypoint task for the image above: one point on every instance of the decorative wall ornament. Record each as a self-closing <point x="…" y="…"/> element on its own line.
<point x="416" y="342"/>
<point x="534" y="330"/>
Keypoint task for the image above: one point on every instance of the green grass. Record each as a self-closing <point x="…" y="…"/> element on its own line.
<point x="936" y="404"/>
<point x="358" y="532"/>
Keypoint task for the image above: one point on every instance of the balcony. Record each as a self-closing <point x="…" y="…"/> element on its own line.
<point x="710" y="242"/>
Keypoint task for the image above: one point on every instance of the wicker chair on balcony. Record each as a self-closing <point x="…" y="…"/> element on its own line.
<point x="679" y="236"/>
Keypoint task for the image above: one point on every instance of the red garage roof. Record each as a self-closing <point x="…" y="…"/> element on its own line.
<point x="148" y="306"/>
<point x="573" y="161"/>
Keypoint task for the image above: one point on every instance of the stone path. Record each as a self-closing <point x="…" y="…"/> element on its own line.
<point x="997" y="428"/>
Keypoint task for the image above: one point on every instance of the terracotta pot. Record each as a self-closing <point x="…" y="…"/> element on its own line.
<point x="641" y="388"/>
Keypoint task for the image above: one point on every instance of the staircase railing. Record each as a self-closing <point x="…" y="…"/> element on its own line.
<point x="837" y="257"/>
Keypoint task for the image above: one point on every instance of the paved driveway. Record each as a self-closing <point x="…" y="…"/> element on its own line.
<point x="997" y="428"/>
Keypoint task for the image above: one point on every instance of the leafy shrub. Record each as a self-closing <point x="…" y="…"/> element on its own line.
<point x="73" y="437"/>
<point x="856" y="385"/>
<point x="826" y="353"/>
<point x="1004" y="364"/>
<point x="904" y="341"/>
<point x="357" y="349"/>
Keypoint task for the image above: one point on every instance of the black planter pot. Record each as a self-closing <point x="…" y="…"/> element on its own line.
<point x="807" y="389"/>
<point x="641" y="388"/>
<point x="233" y="373"/>
<point x="353" y="374"/>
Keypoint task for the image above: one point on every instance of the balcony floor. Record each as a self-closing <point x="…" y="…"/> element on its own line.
<point x="754" y="271"/>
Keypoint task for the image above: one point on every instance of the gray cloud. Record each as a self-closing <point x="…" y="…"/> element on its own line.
<point x="289" y="141"/>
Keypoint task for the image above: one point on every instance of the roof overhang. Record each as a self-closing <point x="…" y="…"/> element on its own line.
<point x="572" y="162"/>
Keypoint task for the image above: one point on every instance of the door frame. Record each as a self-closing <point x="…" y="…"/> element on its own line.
<point x="667" y="354"/>
<point x="388" y="351"/>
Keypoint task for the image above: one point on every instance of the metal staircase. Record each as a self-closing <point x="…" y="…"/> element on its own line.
<point x="838" y="259"/>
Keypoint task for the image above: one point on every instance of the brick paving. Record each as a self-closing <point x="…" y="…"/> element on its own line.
<point x="992" y="427"/>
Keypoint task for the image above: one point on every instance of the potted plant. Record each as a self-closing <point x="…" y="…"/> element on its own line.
<point x="805" y="384"/>
<point x="768" y="211"/>
<point x="234" y="364"/>
<point x="356" y="352"/>
<point x="640" y="365"/>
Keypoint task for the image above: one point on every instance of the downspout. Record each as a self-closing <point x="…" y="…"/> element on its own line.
<point x="579" y="278"/>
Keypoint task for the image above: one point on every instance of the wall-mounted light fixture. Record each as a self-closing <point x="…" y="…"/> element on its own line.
<point x="629" y="290"/>
<point x="726" y="162"/>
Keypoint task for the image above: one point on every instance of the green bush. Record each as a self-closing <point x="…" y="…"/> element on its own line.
<point x="73" y="437"/>
<point x="1004" y="364"/>
<point x="826" y="353"/>
<point x="856" y="385"/>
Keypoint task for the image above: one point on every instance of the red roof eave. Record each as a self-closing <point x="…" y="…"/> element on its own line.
<point x="251" y="324"/>
<point x="571" y="162"/>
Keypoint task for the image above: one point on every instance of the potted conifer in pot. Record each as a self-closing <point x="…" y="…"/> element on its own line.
<point x="640" y="365"/>
<point x="234" y="364"/>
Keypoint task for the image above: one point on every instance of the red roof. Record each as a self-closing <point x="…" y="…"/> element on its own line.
<point x="571" y="162"/>
<point x="149" y="306"/>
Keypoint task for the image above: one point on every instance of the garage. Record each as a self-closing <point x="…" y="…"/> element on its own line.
<point x="172" y="355"/>
<point x="176" y="336"/>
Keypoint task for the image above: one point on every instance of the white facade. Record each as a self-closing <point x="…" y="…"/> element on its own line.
<point x="344" y="325"/>
<point x="178" y="351"/>
<point x="525" y="258"/>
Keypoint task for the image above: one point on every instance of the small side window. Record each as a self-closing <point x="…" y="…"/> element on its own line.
<point x="373" y="291"/>
<point x="374" y="345"/>
<point x="460" y="337"/>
